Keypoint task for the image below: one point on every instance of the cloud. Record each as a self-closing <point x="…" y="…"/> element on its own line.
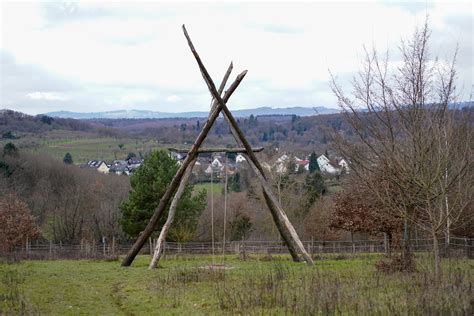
<point x="277" y="28"/>
<point x="173" y="98"/>
<point x="65" y="11"/>
<point x="413" y="7"/>
<point x="46" y="96"/>
<point x="102" y="56"/>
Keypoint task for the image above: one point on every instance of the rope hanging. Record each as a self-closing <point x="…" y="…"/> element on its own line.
<point x="212" y="212"/>
<point x="225" y="208"/>
<point x="212" y="199"/>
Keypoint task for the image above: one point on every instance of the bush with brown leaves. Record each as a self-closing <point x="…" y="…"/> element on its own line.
<point x="17" y="223"/>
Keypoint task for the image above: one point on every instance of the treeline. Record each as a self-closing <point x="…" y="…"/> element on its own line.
<point x="13" y="123"/>
<point x="69" y="204"/>
<point x="292" y="132"/>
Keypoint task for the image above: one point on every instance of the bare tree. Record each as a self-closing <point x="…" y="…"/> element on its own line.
<point x="409" y="135"/>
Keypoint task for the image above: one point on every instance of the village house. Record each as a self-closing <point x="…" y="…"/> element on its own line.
<point x="302" y="164"/>
<point x="239" y="158"/>
<point x="115" y="166"/>
<point x="281" y="163"/>
<point x="344" y="165"/>
<point x="98" y="165"/>
<point x="327" y="166"/>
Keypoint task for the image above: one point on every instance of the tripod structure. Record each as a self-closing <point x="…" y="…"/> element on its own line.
<point x="179" y="181"/>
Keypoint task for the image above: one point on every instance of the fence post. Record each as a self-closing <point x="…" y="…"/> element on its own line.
<point x="50" y="248"/>
<point x="113" y="245"/>
<point x="352" y="242"/>
<point x="416" y="239"/>
<point x="469" y="248"/>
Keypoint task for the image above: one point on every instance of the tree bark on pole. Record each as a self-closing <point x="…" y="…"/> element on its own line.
<point x="165" y="199"/>
<point x="171" y="214"/>
<point x="284" y="226"/>
<point x="172" y="211"/>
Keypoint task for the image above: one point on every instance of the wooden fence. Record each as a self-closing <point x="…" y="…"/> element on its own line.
<point x="37" y="250"/>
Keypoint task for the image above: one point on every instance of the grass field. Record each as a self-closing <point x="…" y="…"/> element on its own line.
<point x="255" y="286"/>
<point x="82" y="146"/>
<point x="215" y="187"/>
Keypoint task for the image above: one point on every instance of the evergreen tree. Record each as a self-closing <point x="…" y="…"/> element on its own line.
<point x="46" y="119"/>
<point x="234" y="183"/>
<point x="314" y="187"/>
<point x="68" y="159"/>
<point x="241" y="227"/>
<point x="313" y="163"/>
<point x="8" y="135"/>
<point x="149" y="183"/>
<point x="10" y="150"/>
<point x="253" y="121"/>
<point x="5" y="169"/>
<point x="231" y="156"/>
<point x="291" y="167"/>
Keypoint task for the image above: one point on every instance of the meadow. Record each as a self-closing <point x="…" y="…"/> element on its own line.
<point x="83" y="146"/>
<point x="260" y="284"/>
<point x="216" y="188"/>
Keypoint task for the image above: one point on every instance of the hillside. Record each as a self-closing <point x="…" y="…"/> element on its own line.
<point x="107" y="139"/>
<point x="140" y="114"/>
<point x="298" y="134"/>
<point x="17" y="122"/>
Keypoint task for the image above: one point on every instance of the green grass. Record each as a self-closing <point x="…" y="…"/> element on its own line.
<point x="215" y="187"/>
<point x="254" y="286"/>
<point x="82" y="146"/>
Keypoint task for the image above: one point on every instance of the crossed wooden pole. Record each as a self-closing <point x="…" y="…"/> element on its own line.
<point x="284" y="226"/>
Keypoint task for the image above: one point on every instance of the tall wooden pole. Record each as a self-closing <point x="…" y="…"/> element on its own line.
<point x="282" y="222"/>
<point x="171" y="214"/>
<point x="165" y="199"/>
<point x="179" y="192"/>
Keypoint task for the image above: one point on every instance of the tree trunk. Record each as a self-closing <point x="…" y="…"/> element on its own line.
<point x="407" y="255"/>
<point x="389" y="244"/>
<point x="437" y="257"/>
<point x="169" y="220"/>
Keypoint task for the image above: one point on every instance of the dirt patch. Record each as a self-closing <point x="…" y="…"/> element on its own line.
<point x="216" y="266"/>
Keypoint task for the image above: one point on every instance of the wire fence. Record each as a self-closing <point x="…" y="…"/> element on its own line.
<point x="40" y="250"/>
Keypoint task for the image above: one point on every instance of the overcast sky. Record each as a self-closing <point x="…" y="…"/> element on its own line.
<point x="89" y="57"/>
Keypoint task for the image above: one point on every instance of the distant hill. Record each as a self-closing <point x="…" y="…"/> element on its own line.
<point x="13" y="122"/>
<point x="141" y="114"/>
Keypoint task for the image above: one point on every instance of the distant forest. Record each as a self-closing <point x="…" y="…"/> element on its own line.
<point x="299" y="135"/>
<point x="292" y="132"/>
